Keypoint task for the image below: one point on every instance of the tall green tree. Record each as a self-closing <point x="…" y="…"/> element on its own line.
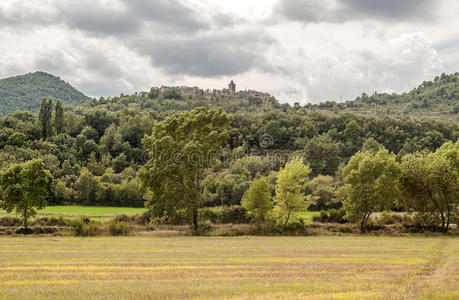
<point x="291" y="182"/>
<point x="24" y="188"/>
<point x="59" y="121"/>
<point x="257" y="199"/>
<point x="372" y="184"/>
<point x="430" y="183"/>
<point x="181" y="149"/>
<point x="44" y="117"/>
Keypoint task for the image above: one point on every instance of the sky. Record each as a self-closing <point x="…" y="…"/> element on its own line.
<point x="305" y="51"/>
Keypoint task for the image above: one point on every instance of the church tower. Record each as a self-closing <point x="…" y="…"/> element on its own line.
<point x="232" y="87"/>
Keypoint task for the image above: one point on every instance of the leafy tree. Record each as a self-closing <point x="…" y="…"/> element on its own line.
<point x="86" y="188"/>
<point x="372" y="184"/>
<point x="181" y="148"/>
<point x="25" y="187"/>
<point x="59" y="121"/>
<point x="431" y="183"/>
<point x="291" y="181"/>
<point x="44" y="116"/>
<point x="257" y="199"/>
<point x="17" y="139"/>
<point x="322" y="154"/>
<point x="322" y="190"/>
<point x="371" y="145"/>
<point x="90" y="133"/>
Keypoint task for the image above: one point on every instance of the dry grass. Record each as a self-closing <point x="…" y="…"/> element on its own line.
<point x="239" y="268"/>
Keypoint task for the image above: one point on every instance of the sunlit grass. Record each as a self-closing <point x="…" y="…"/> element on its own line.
<point x="77" y="211"/>
<point x="224" y="268"/>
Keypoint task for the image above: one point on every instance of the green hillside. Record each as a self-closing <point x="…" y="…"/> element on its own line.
<point x="436" y="99"/>
<point x="25" y="92"/>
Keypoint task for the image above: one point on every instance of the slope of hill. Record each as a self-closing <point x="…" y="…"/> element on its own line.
<point x="25" y="92"/>
<point x="438" y="99"/>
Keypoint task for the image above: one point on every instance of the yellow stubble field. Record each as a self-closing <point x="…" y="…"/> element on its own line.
<point x="328" y="267"/>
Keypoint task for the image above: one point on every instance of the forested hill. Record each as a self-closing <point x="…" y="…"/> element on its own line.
<point x="25" y="92"/>
<point x="438" y="98"/>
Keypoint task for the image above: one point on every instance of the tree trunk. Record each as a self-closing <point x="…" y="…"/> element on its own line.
<point x="195" y="219"/>
<point x="443" y="223"/>
<point x="25" y="220"/>
<point x="363" y="223"/>
<point x="286" y="220"/>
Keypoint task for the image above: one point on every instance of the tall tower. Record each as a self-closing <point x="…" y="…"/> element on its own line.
<point x="232" y="87"/>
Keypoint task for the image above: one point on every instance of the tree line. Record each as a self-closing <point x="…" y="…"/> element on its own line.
<point x="182" y="169"/>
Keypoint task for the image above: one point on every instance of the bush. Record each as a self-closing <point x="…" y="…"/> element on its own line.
<point x="387" y="218"/>
<point x="211" y="215"/>
<point x="118" y="228"/>
<point x="426" y="221"/>
<point x="331" y="216"/>
<point x="85" y="227"/>
<point x="234" y="214"/>
<point x="224" y="215"/>
<point x="52" y="221"/>
<point x="10" y="221"/>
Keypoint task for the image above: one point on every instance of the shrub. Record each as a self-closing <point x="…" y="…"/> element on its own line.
<point x="118" y="228"/>
<point x="426" y="221"/>
<point x="212" y="215"/>
<point x="204" y="228"/>
<point x="85" y="227"/>
<point x="52" y="221"/>
<point x="10" y="221"/>
<point x="225" y="215"/>
<point x="143" y="218"/>
<point x="331" y="216"/>
<point x="234" y="214"/>
<point x="387" y="218"/>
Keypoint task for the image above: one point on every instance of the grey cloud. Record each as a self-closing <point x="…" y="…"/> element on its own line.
<point x="224" y="53"/>
<point x="97" y="18"/>
<point x="169" y="14"/>
<point x="338" y="11"/>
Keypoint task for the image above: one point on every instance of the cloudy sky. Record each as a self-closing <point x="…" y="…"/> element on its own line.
<point x="298" y="50"/>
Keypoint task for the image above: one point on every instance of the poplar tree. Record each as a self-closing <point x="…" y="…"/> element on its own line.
<point x="59" y="117"/>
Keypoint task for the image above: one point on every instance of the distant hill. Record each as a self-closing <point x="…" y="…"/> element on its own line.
<point x="25" y="92"/>
<point x="438" y="99"/>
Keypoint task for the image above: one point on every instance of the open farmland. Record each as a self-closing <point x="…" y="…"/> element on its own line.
<point x="97" y="212"/>
<point x="235" y="268"/>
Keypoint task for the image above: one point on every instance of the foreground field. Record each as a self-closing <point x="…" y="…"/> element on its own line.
<point x="239" y="268"/>
<point x="90" y="211"/>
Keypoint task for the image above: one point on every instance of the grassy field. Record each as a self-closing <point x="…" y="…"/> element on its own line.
<point x="230" y="268"/>
<point x="99" y="212"/>
<point x="90" y="211"/>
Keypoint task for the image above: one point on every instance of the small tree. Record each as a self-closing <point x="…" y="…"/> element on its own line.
<point x="372" y="184"/>
<point x="290" y="197"/>
<point x="59" y="121"/>
<point x="25" y="187"/>
<point x="257" y="199"/>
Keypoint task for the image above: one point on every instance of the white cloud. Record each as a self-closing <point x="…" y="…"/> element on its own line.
<point x="109" y="47"/>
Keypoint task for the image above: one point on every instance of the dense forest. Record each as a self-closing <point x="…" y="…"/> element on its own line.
<point x="26" y="92"/>
<point x="103" y="151"/>
<point x="95" y="150"/>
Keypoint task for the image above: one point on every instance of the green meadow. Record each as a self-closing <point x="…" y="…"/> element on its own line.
<point x="89" y="211"/>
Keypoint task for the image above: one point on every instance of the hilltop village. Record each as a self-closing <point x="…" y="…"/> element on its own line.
<point x="229" y="92"/>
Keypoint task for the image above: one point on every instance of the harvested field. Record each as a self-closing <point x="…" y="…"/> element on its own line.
<point x="348" y="267"/>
